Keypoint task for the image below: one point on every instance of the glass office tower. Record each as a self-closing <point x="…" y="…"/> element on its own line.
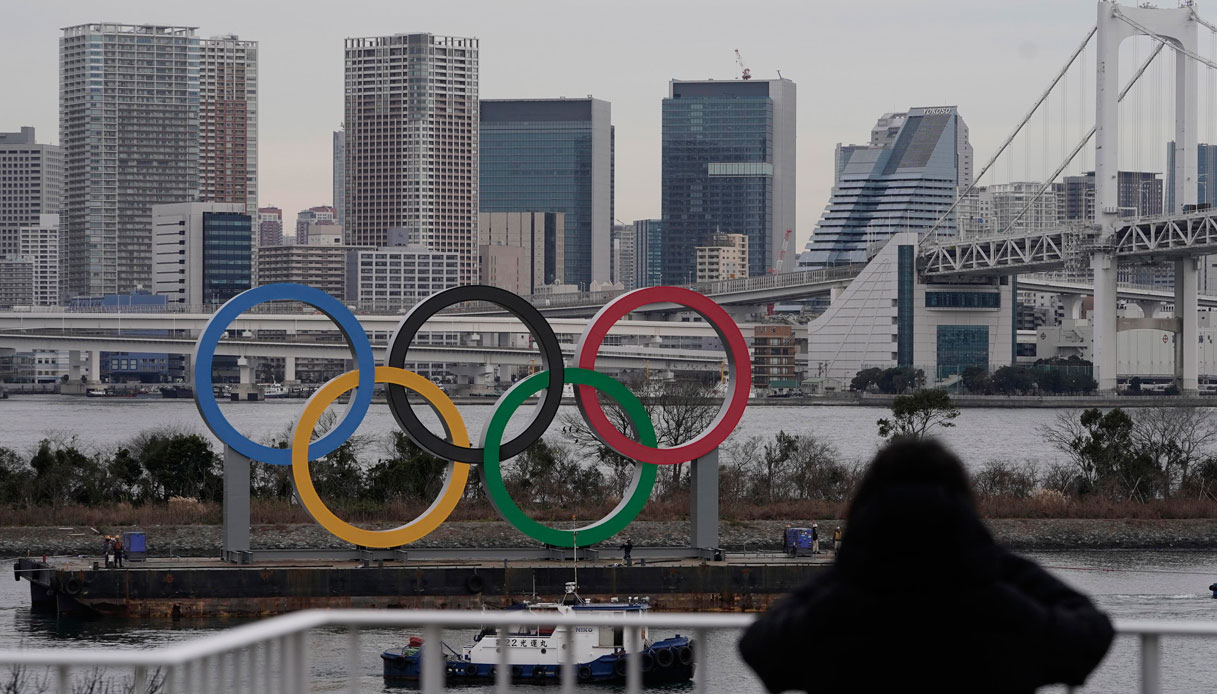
<point x="728" y="167"/>
<point x="554" y="155"/>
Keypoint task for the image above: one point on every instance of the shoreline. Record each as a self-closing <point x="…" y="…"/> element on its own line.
<point x="1024" y="534"/>
<point x="877" y="400"/>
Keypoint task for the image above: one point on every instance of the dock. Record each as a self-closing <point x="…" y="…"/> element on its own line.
<point x="194" y="587"/>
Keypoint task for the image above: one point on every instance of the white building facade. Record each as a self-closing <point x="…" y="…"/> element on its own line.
<point x="888" y="317"/>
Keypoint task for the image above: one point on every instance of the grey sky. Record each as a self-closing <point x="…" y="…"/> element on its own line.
<point x="852" y="61"/>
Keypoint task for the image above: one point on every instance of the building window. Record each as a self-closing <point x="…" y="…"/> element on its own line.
<point x="986" y="300"/>
<point x="962" y="346"/>
<point x="904" y="306"/>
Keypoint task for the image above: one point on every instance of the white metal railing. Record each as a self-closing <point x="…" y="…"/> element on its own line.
<point x="271" y="655"/>
<point x="243" y="659"/>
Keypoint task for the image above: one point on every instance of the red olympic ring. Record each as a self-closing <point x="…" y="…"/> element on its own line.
<point x="738" y="384"/>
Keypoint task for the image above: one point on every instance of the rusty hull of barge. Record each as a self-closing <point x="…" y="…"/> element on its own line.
<point x="204" y="588"/>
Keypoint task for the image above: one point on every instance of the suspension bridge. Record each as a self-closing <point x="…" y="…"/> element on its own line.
<point x="1145" y="64"/>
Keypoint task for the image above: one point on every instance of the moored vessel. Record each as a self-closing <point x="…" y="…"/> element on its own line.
<point x="536" y="652"/>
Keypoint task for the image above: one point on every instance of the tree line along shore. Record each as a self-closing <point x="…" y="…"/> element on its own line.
<point x="1147" y="463"/>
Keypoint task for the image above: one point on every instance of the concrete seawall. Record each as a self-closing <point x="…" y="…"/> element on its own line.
<point x="736" y="536"/>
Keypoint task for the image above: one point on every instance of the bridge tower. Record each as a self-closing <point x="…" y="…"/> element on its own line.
<point x="1177" y="26"/>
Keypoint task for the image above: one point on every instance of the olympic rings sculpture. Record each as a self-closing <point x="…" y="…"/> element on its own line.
<point x="456" y="446"/>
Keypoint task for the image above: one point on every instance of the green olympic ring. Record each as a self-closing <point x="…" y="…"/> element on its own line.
<point x="632" y="501"/>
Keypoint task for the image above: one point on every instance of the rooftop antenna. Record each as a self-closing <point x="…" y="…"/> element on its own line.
<point x="745" y="73"/>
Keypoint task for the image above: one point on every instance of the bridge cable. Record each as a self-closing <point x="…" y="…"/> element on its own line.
<point x="1085" y="42"/>
<point x="1084" y="141"/>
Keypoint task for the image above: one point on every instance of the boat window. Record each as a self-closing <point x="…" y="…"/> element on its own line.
<point x="616" y="638"/>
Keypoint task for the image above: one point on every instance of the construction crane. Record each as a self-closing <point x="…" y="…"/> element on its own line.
<point x="777" y="266"/>
<point x="745" y="73"/>
<point x="769" y="310"/>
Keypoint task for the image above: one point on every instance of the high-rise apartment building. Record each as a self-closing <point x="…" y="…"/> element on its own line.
<point x="270" y="226"/>
<point x="1016" y="208"/>
<point x="411" y="128"/>
<point x="321" y="267"/>
<point x="904" y="179"/>
<point x="31" y="184"/>
<point x="724" y="257"/>
<point x="554" y="155"/>
<point x="339" y="168"/>
<point x="648" y="252"/>
<point x="129" y="129"/>
<point x="728" y="166"/>
<point x="228" y="121"/>
<point x="40" y="244"/>
<point x="203" y="252"/>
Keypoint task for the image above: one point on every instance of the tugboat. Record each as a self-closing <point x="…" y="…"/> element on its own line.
<point x="536" y="652"/>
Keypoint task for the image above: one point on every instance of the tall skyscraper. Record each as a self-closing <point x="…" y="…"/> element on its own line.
<point x="554" y="155"/>
<point x="903" y="180"/>
<point x="129" y="127"/>
<point x="728" y="167"/>
<point x="31" y="185"/>
<point x="412" y="143"/>
<point x="228" y="121"/>
<point x="339" y="167"/>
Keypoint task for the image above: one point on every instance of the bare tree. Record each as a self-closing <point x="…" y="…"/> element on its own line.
<point x="1174" y="439"/>
<point x="1066" y="435"/>
<point x="680" y="411"/>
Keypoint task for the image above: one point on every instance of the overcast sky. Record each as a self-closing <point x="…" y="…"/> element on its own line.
<point x="852" y="60"/>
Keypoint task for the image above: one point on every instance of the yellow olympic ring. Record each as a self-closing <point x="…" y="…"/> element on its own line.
<point x="454" y="481"/>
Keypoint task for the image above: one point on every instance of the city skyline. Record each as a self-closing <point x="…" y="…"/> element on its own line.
<point x="295" y="155"/>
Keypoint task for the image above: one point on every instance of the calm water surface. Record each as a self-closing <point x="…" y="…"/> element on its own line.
<point x="980" y="434"/>
<point x="1134" y="585"/>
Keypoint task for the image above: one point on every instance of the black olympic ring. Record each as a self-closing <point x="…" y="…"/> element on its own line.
<point x="542" y="333"/>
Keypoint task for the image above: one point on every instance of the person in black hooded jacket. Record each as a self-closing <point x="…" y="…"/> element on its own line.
<point x="888" y="616"/>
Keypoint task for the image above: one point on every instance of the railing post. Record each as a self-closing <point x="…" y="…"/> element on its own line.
<point x="633" y="659"/>
<point x="1151" y="664"/>
<point x="568" y="660"/>
<point x="268" y="677"/>
<point x="502" y="677"/>
<point x="287" y="669"/>
<point x="63" y="679"/>
<point x="300" y="644"/>
<point x="433" y="660"/>
<point x="354" y="656"/>
<point x="701" y="665"/>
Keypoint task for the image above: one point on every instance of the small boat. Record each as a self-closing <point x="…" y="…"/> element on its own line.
<point x="96" y="393"/>
<point x="536" y="652"/>
<point x="275" y="391"/>
<point x="177" y="392"/>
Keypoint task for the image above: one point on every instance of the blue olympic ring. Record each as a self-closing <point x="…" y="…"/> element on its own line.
<point x="351" y="329"/>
